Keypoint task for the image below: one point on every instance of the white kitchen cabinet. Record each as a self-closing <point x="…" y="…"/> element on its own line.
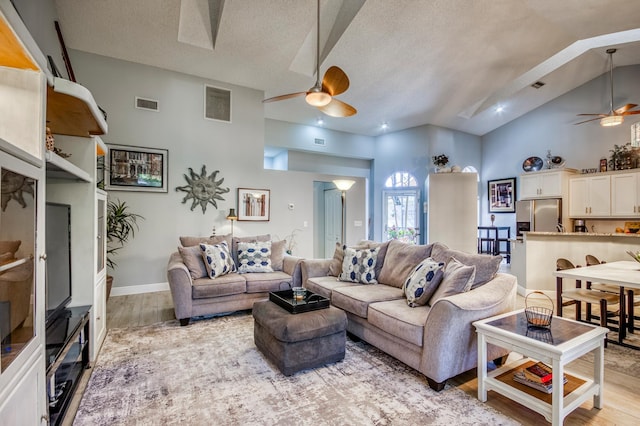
<point x="625" y="195"/>
<point x="590" y="196"/>
<point x="544" y="184"/>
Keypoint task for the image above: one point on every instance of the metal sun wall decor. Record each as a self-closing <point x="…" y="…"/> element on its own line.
<point x="202" y="189"/>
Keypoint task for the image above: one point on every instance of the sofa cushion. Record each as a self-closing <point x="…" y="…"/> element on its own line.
<point x="217" y="259"/>
<point x="195" y="241"/>
<point x="356" y="298"/>
<point x="269" y="281"/>
<point x="205" y="288"/>
<point x="358" y="265"/>
<point x="253" y="239"/>
<point x="192" y="259"/>
<point x="254" y="257"/>
<point x="277" y="254"/>
<point x="486" y="265"/>
<point x="400" y="260"/>
<point x="423" y="282"/>
<point x="335" y="267"/>
<point x="398" y="319"/>
<point x="457" y="278"/>
<point x="325" y="285"/>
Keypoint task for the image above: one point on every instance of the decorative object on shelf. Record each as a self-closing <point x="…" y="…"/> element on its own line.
<point x="603" y="164"/>
<point x="502" y="195"/>
<point x="613" y="117"/>
<point x="631" y="227"/>
<point x="441" y="161"/>
<point x="49" y="140"/>
<point x="231" y="216"/>
<point x="14" y="186"/>
<point x="588" y="171"/>
<point x="65" y="54"/>
<point x="635" y="135"/>
<point x="532" y="164"/>
<point x="623" y="157"/>
<point x="133" y="168"/>
<point x="203" y="189"/>
<point x="253" y="204"/>
<point x="553" y="161"/>
<point x="538" y="316"/>
<point x="291" y="241"/>
<point x="493" y="219"/>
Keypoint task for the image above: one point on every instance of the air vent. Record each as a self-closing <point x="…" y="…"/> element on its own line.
<point x="319" y="142"/>
<point x="217" y="104"/>
<point x="148" y="104"/>
<point x="537" y="85"/>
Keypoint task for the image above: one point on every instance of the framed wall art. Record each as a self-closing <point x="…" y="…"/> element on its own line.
<point x="253" y="204"/>
<point x="134" y="168"/>
<point x="502" y="195"/>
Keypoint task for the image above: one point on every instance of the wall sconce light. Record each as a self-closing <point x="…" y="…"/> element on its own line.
<point x="232" y="216"/>
<point x="343" y="185"/>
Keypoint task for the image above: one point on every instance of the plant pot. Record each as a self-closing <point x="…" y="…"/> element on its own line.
<point x="109" y="285"/>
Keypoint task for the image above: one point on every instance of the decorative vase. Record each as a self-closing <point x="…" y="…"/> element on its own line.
<point x="50" y="141"/>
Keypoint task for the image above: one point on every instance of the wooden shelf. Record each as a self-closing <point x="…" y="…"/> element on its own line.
<point x="71" y="110"/>
<point x="60" y="168"/>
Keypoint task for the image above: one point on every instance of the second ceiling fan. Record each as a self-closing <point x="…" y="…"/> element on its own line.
<point x="322" y="94"/>
<point x="614" y="117"/>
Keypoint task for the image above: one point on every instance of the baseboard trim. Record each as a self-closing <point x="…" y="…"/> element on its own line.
<point x="139" y="289"/>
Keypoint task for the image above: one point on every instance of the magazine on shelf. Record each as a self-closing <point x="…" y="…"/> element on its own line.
<point x="543" y="387"/>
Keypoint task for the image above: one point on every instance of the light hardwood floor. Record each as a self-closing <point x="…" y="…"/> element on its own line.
<point x="622" y="390"/>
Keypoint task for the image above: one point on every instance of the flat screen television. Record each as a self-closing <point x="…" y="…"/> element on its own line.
<point x="58" y="249"/>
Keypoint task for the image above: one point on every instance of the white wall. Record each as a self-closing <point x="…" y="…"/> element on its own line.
<point x="551" y="127"/>
<point x="235" y="149"/>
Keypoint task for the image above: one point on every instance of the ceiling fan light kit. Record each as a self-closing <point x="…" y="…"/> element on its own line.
<point x="317" y="98"/>
<point x="612" y="120"/>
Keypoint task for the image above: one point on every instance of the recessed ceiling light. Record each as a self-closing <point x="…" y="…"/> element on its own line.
<point x="384" y="126"/>
<point x="320" y="121"/>
<point x="499" y="109"/>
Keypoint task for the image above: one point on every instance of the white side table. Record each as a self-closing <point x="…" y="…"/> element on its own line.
<point x="565" y="341"/>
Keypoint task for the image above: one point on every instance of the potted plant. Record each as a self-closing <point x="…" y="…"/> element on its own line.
<point x="121" y="225"/>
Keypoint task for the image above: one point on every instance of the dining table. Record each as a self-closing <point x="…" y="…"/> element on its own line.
<point x="624" y="273"/>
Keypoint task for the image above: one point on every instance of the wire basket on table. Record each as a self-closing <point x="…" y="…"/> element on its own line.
<point x="538" y="316"/>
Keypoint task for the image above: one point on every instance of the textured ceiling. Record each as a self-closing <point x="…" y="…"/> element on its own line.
<point x="410" y="62"/>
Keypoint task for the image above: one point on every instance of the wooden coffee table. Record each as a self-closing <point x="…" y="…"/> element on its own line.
<point x="565" y="341"/>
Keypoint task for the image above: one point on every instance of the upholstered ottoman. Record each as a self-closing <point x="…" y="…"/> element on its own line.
<point x="295" y="342"/>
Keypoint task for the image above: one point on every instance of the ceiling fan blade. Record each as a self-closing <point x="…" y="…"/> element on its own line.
<point x="337" y="108"/>
<point x="283" y="97"/>
<point x="631" y="112"/>
<point x="335" y="81"/>
<point x="586" y="121"/>
<point x="599" y="115"/>
<point x="625" y="108"/>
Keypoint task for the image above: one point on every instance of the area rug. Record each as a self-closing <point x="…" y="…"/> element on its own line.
<point x="210" y="373"/>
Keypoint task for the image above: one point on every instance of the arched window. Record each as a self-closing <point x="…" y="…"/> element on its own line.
<point x="401" y="180"/>
<point x="401" y="201"/>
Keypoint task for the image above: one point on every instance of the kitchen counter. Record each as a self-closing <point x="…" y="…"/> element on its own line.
<point x="533" y="258"/>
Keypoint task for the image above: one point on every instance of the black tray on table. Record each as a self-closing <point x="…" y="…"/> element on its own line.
<point x="310" y="302"/>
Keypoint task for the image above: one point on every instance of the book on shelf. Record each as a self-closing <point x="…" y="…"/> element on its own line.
<point x="538" y="372"/>
<point x="520" y="377"/>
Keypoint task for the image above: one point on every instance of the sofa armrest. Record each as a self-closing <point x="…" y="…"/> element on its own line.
<point x="291" y="266"/>
<point x="180" y="284"/>
<point x="314" y="268"/>
<point x="449" y="333"/>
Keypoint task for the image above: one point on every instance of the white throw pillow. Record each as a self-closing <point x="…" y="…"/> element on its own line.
<point x="254" y="257"/>
<point x="423" y="282"/>
<point x="217" y="259"/>
<point x="358" y="265"/>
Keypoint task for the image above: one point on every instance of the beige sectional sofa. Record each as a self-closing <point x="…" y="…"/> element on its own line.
<point x="437" y="339"/>
<point x="195" y="294"/>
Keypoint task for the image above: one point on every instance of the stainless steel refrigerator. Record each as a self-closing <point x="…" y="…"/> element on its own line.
<point x="538" y="215"/>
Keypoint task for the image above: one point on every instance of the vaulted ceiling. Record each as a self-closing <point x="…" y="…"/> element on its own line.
<point x="410" y="62"/>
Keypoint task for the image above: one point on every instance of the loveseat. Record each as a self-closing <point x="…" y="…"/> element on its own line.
<point x="434" y="336"/>
<point x="196" y="293"/>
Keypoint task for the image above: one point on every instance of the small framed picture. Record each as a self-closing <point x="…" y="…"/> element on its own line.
<point x="134" y="168"/>
<point x="253" y="204"/>
<point x="603" y="164"/>
<point x="502" y="195"/>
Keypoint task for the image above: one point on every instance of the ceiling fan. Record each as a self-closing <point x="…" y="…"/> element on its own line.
<point x="614" y="117"/>
<point x="322" y="95"/>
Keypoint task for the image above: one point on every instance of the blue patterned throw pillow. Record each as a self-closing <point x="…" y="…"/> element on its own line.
<point x="217" y="259"/>
<point x="423" y="282"/>
<point x="358" y="265"/>
<point x="254" y="257"/>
